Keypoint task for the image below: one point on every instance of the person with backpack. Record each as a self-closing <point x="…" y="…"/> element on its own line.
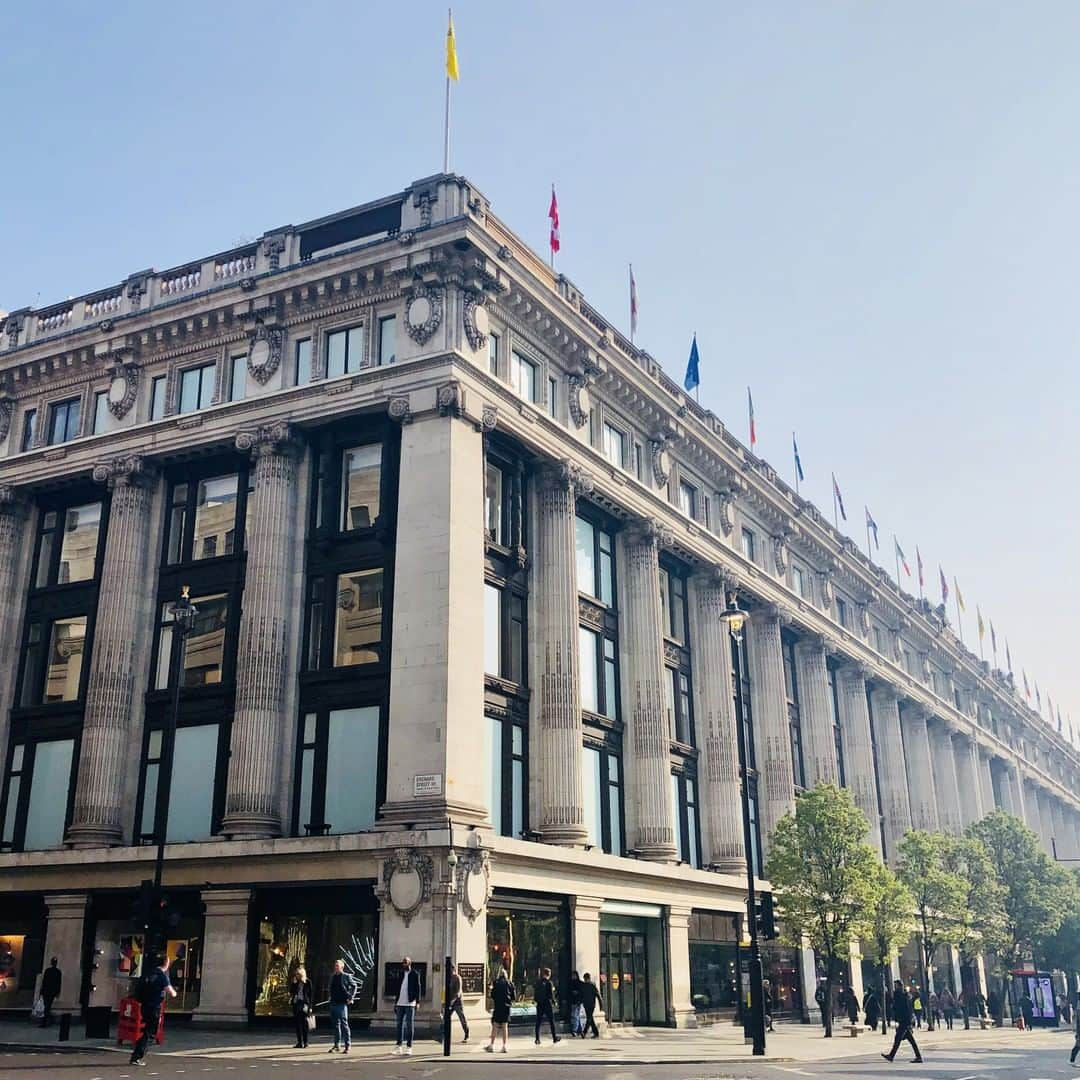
<point x="342" y="995"/>
<point x="544" y="996"/>
<point x="502" y="997"/>
<point x="153" y="989"/>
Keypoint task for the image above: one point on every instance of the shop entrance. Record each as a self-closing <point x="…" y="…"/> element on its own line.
<point x="624" y="976"/>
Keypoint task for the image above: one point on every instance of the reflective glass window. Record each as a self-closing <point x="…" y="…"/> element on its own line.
<point x="361" y="469"/>
<point x="358" y="626"/>
<point x="49" y="784"/>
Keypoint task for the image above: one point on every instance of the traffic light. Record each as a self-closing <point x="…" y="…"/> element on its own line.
<point x="766" y="918"/>
<point x="143" y="906"/>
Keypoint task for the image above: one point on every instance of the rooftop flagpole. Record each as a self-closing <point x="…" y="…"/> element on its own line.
<point x="451" y="75"/>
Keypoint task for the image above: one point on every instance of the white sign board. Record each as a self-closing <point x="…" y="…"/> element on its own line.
<point x="427" y="784"/>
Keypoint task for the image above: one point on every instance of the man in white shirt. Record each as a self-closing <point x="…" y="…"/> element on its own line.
<point x="405" y="1009"/>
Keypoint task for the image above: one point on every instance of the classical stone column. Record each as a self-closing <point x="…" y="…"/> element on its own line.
<point x="816" y="712"/>
<point x="858" y="748"/>
<point x="986" y="783"/>
<point x="772" y="737"/>
<point x="64" y="932"/>
<point x="681" y="1009"/>
<point x="1032" y="813"/>
<point x="717" y="727"/>
<point x="14" y="552"/>
<point x="555" y="615"/>
<point x="1062" y="844"/>
<point x="224" y="964"/>
<point x="943" y="763"/>
<point x="966" y="755"/>
<point x="920" y="777"/>
<point x="1012" y="791"/>
<point x="1046" y="818"/>
<point x="892" y="777"/>
<point x="647" y="742"/>
<point x="97" y="819"/>
<point x="252" y="796"/>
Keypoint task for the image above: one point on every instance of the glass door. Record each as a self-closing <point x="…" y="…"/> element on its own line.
<point x="624" y="978"/>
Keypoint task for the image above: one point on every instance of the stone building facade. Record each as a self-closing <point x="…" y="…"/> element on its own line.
<point x="458" y="684"/>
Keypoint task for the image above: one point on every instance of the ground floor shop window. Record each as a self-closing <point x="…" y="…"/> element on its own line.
<point x="525" y="934"/>
<point x="313" y="928"/>
<point x="22" y="950"/>
<point x="781" y="967"/>
<point x="714" y="961"/>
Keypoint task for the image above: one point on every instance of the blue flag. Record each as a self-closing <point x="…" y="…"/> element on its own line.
<point x="692" y="378"/>
<point x="798" y="460"/>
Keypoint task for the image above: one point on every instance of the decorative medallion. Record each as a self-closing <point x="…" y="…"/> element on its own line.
<point x="473" y="883"/>
<point x="264" y="351"/>
<point x="579" y="400"/>
<point x="828" y="594"/>
<point x="864" y="619"/>
<point x="489" y="417"/>
<point x="123" y="389"/>
<point x="423" y="311"/>
<point x="661" y="461"/>
<point x="475" y="317"/>
<point x="780" y="554"/>
<point x="449" y="399"/>
<point x="407" y="877"/>
<point x="725" y="511"/>
<point x="7" y="411"/>
<point x="399" y="409"/>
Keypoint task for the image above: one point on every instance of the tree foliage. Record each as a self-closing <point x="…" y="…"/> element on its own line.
<point x="826" y="874"/>
<point x="890" y="925"/>
<point x="980" y="920"/>
<point x="1061" y="947"/>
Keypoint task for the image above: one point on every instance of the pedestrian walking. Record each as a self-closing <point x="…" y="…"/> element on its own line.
<point x="300" y="997"/>
<point x="544" y="996"/>
<point x="590" y="998"/>
<point x="935" y="1009"/>
<point x="577" y="1010"/>
<point x="767" y="1003"/>
<point x="902" y="1013"/>
<point x="405" y="1007"/>
<point x="850" y="1004"/>
<point x="1076" y="1040"/>
<point x="947" y="1003"/>
<point x="51" y="981"/>
<point x="819" y="998"/>
<point x="454" y="1005"/>
<point x="872" y="1009"/>
<point x="1027" y="1012"/>
<point x="993" y="1003"/>
<point x="342" y="994"/>
<point x="917" y="1006"/>
<point x="502" y="997"/>
<point x="153" y="989"/>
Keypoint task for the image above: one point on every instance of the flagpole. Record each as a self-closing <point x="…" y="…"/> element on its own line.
<point x="796" y="463"/>
<point x="959" y="622"/>
<point x="835" y="512"/>
<point x="896" y="553"/>
<point x="869" y="553"/>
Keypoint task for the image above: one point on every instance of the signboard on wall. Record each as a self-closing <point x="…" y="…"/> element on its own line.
<point x="425" y="784"/>
<point x="472" y="978"/>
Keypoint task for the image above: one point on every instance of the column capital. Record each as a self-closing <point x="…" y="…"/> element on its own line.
<point x="648" y="532"/>
<point x="854" y="669"/>
<point x="13" y="500"/>
<point x="780" y="612"/>
<point x="125" y="470"/>
<point x="564" y="475"/>
<point x="268" y="439"/>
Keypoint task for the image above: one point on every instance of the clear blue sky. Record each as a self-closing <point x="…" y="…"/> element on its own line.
<point x="870" y="212"/>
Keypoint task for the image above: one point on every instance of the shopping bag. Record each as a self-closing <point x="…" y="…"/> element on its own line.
<point x="311" y="1022"/>
<point x="38" y="1011"/>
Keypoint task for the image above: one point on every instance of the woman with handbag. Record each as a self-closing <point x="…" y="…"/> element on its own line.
<point x="300" y="996"/>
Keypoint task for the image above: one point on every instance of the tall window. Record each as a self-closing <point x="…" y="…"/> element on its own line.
<point x="601" y="781"/>
<point x="196" y="756"/>
<point x="302" y="362"/>
<point x="344" y="351"/>
<point x="838" y="741"/>
<point x="791" y="690"/>
<point x="197" y="388"/>
<point x="387" y="339"/>
<point x="39" y="791"/>
<point x="523" y="376"/>
<point x="493" y="353"/>
<point x="207" y="518"/>
<point x="553" y="397"/>
<point x="64" y="417"/>
<point x="688" y="499"/>
<point x="749" y="544"/>
<point x="101" y="412"/>
<point x="687" y="828"/>
<point x="158" y="387"/>
<point x="677" y="668"/>
<point x="29" y="431"/>
<point x="614" y="445"/>
<point x="506" y="694"/>
<point x="238" y="377"/>
<point x="361" y="477"/>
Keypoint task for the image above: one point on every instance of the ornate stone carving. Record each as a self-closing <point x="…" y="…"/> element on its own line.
<point x="780" y="554"/>
<point x="423" y="311"/>
<point x="828" y="593"/>
<point x="590" y="613"/>
<point x="474" y="316"/>
<point x="406" y="881"/>
<point x="13" y="327"/>
<point x="864" y="619"/>
<point x="489" y="417"/>
<point x="450" y="399"/>
<point x="647" y="532"/>
<point x="124" y="469"/>
<point x="578" y="400"/>
<point x="399" y="409"/>
<point x="265" y="344"/>
<point x="123" y="389"/>
<point x="565" y="474"/>
<point x="473" y="883"/>
<point x="725" y="511"/>
<point x="671" y="653"/>
<point x="136" y="290"/>
<point x="7" y="411"/>
<point x="273" y="248"/>
<point x="273" y="438"/>
<point x="661" y="461"/>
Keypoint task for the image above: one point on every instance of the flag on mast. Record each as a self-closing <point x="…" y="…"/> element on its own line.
<point x="959" y="595"/>
<point x="553" y="214"/>
<point x="1027" y="689"/>
<point x="919" y="564"/>
<point x="451" y="52"/>
<point x="944" y="586"/>
<point x="871" y="527"/>
<point x="633" y="304"/>
<point x="693" y="376"/>
<point x="1038" y="696"/>
<point x="1008" y="656"/>
<point x="993" y="640"/>
<point x="902" y="557"/>
<point x="982" y="626"/>
<point x="838" y="497"/>
<point x="798" y="460"/>
<point x="753" y="426"/>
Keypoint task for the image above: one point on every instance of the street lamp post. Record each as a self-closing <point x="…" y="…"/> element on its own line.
<point x="183" y="613"/>
<point x="735" y="618"/>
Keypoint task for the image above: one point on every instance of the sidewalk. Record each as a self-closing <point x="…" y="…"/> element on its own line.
<point x="719" y="1044"/>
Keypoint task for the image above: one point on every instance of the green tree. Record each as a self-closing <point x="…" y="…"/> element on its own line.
<point x="825" y="873"/>
<point x="925" y="868"/>
<point x="891" y="924"/>
<point x="1036" y="890"/>
<point x="1061" y="947"/>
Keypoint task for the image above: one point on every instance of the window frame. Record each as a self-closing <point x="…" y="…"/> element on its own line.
<point x="381" y="322"/>
<point x="29" y="743"/>
<point x="608" y="431"/>
<point x="346" y="331"/>
<point x="518" y="361"/>
<point x="687" y="839"/>
<point x="609" y="745"/>
<point x="678" y="660"/>
<point x="788" y="643"/>
<point x="29" y="438"/>
<point x="299" y="362"/>
<point x="191" y="369"/>
<point x="65" y="404"/>
<point x="159" y="396"/>
<point x="508" y="721"/>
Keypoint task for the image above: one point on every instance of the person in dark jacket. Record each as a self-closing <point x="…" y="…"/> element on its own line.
<point x="544" y="996"/>
<point x="153" y="989"/>
<point x="902" y="1016"/>
<point x="408" y="1000"/>
<point x="577" y="1012"/>
<point x="502" y="997"/>
<point x="590" y="998"/>
<point x="1076" y="1041"/>
<point x="454" y="1005"/>
<point x="342" y="993"/>
<point x="850" y="1004"/>
<point x="1027" y="1011"/>
<point x="872" y="1008"/>
<point x="50" y="989"/>
<point x="300" y="999"/>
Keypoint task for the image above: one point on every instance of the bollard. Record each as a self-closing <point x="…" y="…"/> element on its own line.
<point x="65" y="1027"/>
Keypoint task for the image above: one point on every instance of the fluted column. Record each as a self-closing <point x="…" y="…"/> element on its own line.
<point x="855" y="740"/>
<point x="647" y="743"/>
<point x="1012" y="790"/>
<point x="118" y="652"/>
<point x="966" y="755"/>
<point x="892" y="776"/>
<point x="1032" y="816"/>
<point x="1062" y="845"/>
<point x="252" y="797"/>
<point x="986" y="783"/>
<point x="718" y="771"/>
<point x="772" y="738"/>
<point x="816" y="712"/>
<point x="920" y="776"/>
<point x="1045" y="818"/>
<point x="943" y="762"/>
<point x="555" y="614"/>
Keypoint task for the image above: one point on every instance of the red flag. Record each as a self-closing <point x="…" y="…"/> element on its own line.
<point x="553" y="213"/>
<point x="753" y="426"/>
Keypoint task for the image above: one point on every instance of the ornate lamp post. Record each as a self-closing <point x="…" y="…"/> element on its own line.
<point x="735" y="617"/>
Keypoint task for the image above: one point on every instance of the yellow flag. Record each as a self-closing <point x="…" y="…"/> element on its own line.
<point x="982" y="627"/>
<point x="959" y="595"/>
<point x="451" y="52"/>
